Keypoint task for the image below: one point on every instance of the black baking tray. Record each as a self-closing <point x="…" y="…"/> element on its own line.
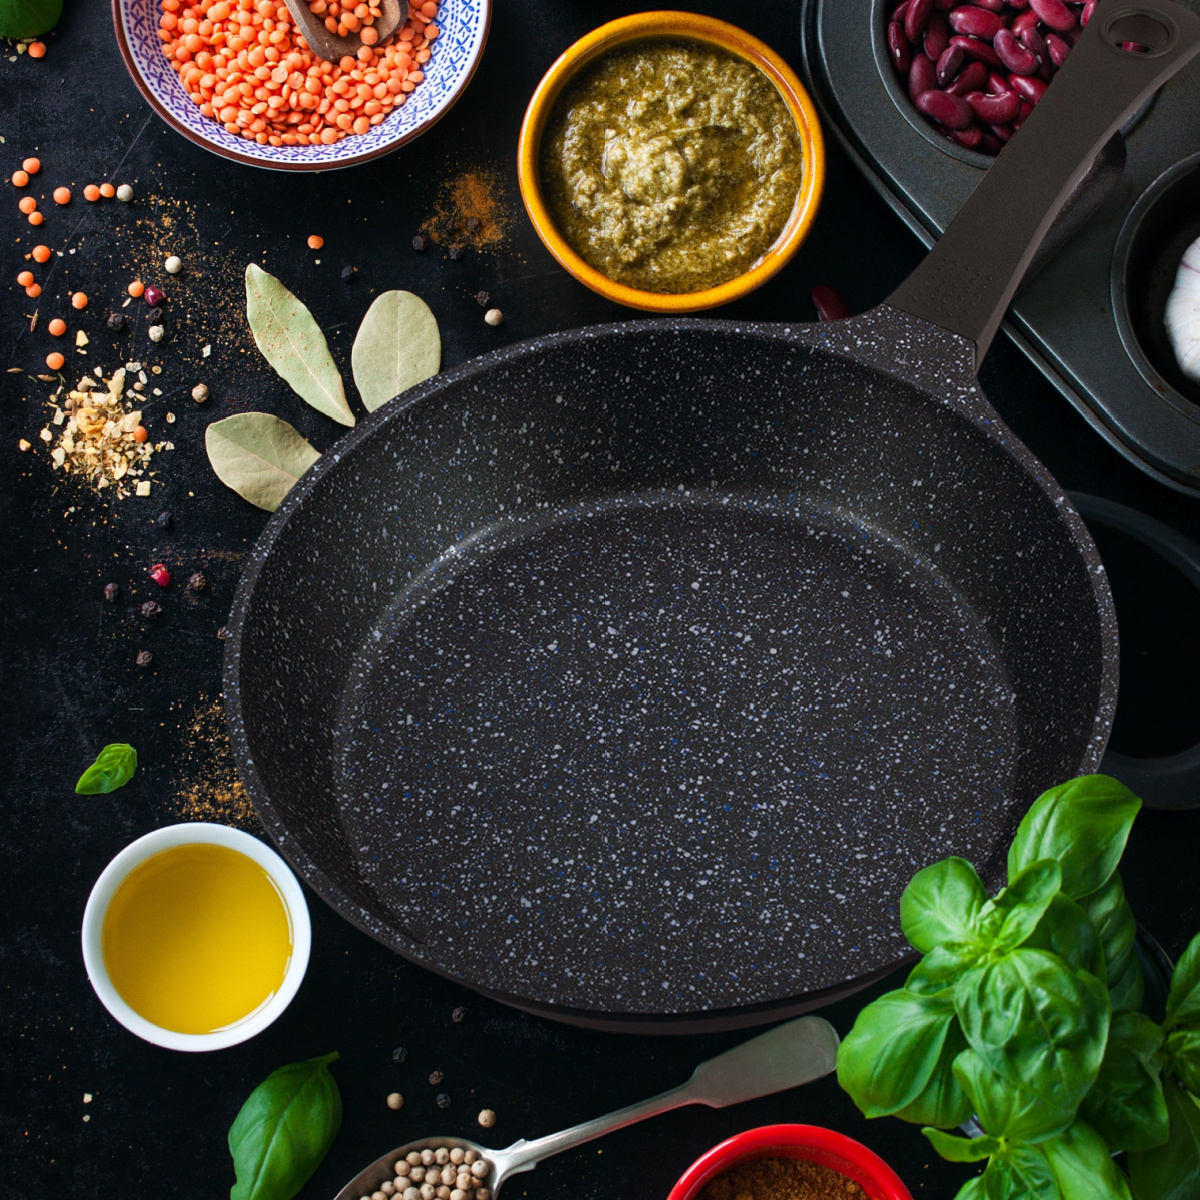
<point x="1091" y="318"/>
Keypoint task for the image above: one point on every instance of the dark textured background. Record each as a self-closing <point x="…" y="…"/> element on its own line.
<point x="158" y="1120"/>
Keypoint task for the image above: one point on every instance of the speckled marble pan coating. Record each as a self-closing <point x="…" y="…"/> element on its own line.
<point x="630" y="673"/>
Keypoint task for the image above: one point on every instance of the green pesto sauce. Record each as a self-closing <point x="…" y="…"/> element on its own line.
<point x="671" y="166"/>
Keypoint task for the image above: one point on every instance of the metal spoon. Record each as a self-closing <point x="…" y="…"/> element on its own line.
<point x="328" y="45"/>
<point x="782" y="1058"/>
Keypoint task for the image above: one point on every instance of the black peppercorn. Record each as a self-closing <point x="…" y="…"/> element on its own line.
<point x="197" y="582"/>
<point x="112" y="592"/>
<point x="223" y="632"/>
<point x="483" y="299"/>
<point x="399" y="1054"/>
<point x="420" y="242"/>
<point x="151" y="608"/>
<point x="144" y="658"/>
<point x="450" y="226"/>
<point x="154" y="315"/>
<point x="456" y="252"/>
<point x="116" y="322"/>
<point x="474" y="224"/>
<point x="435" y="1077"/>
<point x="164" y="520"/>
<point x="459" y="1015"/>
<point x="348" y="274"/>
<point x="443" y="1101"/>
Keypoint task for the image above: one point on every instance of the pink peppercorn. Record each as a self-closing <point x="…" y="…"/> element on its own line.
<point x="160" y="574"/>
<point x="154" y="296"/>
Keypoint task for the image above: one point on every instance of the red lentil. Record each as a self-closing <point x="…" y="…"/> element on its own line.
<point x="79" y="300"/>
<point x="315" y="241"/>
<point x="33" y="291"/>
<point x="37" y="49"/>
<point x="27" y="204"/>
<point x="20" y="179"/>
<point x="246" y="66"/>
<point x="136" y="288"/>
<point x="25" y="278"/>
<point x="35" y="217"/>
<point x="107" y="191"/>
<point x="62" y="195"/>
<point x="57" y="327"/>
<point x="41" y="254"/>
<point x="32" y="165"/>
<point x="55" y="361"/>
<point x="91" y="192"/>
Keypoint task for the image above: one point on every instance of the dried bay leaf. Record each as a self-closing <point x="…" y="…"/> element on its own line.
<point x="398" y="346"/>
<point x="259" y="456"/>
<point x="292" y="342"/>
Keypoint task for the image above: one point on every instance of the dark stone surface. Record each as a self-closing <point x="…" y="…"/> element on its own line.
<point x="158" y="1120"/>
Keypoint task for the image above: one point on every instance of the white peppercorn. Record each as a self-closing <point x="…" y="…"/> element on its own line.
<point x="479" y="1169"/>
<point x="456" y="1155"/>
<point x="125" y="193"/>
<point x="427" y="1157"/>
<point x="156" y="333"/>
<point x="443" y="1193"/>
<point x="173" y="265"/>
<point x="493" y="316"/>
<point x="402" y="1169"/>
<point x="487" y="1118"/>
<point x="378" y="1196"/>
<point x="428" y="1191"/>
<point x="469" y="1157"/>
<point x="458" y="1194"/>
<point x="417" y="1175"/>
<point x="465" y="1181"/>
<point x="483" y="1194"/>
<point x="395" y="1101"/>
<point x="413" y="1157"/>
<point x="441" y="1156"/>
<point x="412" y="1193"/>
<point x="387" y="1187"/>
<point x="200" y="393"/>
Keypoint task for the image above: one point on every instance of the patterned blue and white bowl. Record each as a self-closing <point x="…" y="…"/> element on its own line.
<point x="454" y="56"/>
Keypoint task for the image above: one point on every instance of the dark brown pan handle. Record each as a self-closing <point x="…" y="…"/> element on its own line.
<point x="967" y="281"/>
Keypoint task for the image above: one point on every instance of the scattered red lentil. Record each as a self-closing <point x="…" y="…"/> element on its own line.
<point x="91" y="192"/>
<point x="79" y="300"/>
<point x="244" y="65"/>
<point x="27" y="204"/>
<point x="107" y="191"/>
<point x="32" y="165"/>
<point x="35" y="218"/>
<point x="62" y="195"/>
<point x="33" y="291"/>
<point x="25" y="278"/>
<point x="315" y="241"/>
<point x="41" y="254"/>
<point x="57" y="327"/>
<point x="37" y="49"/>
<point x="136" y="288"/>
<point x="140" y="434"/>
<point x="20" y="179"/>
<point x="55" y="361"/>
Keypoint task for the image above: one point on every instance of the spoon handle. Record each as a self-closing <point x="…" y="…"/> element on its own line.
<point x="784" y="1057"/>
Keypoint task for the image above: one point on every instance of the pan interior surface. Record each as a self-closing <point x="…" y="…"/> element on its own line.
<point x="635" y="671"/>
<point x="668" y="730"/>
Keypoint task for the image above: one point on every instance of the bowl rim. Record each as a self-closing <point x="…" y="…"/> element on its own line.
<point x="813" y="1143"/>
<point x="693" y="27"/>
<point x="194" y="833"/>
<point x="139" y="81"/>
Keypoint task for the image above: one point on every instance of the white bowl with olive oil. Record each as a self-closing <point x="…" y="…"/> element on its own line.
<point x="196" y="936"/>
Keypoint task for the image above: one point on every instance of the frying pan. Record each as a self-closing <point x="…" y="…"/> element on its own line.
<point x="626" y="675"/>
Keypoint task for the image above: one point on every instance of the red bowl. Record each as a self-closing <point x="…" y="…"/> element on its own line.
<point x="809" y="1142"/>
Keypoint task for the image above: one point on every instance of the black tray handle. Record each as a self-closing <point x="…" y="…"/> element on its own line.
<point x="968" y="279"/>
<point x="1171" y="783"/>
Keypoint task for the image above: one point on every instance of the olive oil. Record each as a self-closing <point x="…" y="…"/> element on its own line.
<point x="197" y="938"/>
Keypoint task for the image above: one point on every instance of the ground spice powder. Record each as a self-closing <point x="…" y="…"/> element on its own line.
<point x="472" y="208"/>
<point x="781" y="1179"/>
<point x="209" y="789"/>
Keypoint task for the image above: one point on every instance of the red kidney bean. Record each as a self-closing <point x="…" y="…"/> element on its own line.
<point x="829" y="303"/>
<point x="937" y="36"/>
<point x="922" y="77"/>
<point x="997" y="84"/>
<point x="898" y="47"/>
<point x="945" y="5"/>
<point x="1026" y="109"/>
<point x="916" y="18"/>
<point x="1057" y="49"/>
<point x="1023" y="21"/>
<point x="1088" y="9"/>
<point x="970" y="79"/>
<point x="1033" y="41"/>
<point x="952" y="111"/>
<point x="1013" y="55"/>
<point x="1002" y="133"/>
<point x="975" y="22"/>
<point x="991" y="144"/>
<point x="994" y="109"/>
<point x="899" y="11"/>
<point x="1018" y="4"/>
<point x="949" y="64"/>
<point x="1028" y="87"/>
<point x="977" y="49"/>
<point x="991" y="5"/>
<point x="969" y="137"/>
<point x="1054" y="13"/>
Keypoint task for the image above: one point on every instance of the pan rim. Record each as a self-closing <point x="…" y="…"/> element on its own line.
<point x="974" y="407"/>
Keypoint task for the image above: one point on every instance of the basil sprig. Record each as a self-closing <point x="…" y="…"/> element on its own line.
<point x="284" y="1130"/>
<point x="28" y="18"/>
<point x="113" y="768"/>
<point x="1024" y="1011"/>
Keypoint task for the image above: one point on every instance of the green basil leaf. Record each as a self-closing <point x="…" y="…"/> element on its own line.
<point x="1083" y="1167"/>
<point x="888" y="1057"/>
<point x="113" y="768"/>
<point x="1019" y="908"/>
<point x="1035" y="1021"/>
<point x="1112" y="918"/>
<point x="1126" y="1105"/>
<point x="292" y="342"/>
<point x="1020" y="1173"/>
<point x="1183" y="1053"/>
<point x="1183" y="1004"/>
<point x="942" y="1101"/>
<point x="284" y="1130"/>
<point x="28" y="18"/>
<point x="940" y="904"/>
<point x="1007" y="1109"/>
<point x="972" y="1190"/>
<point x="1065" y="930"/>
<point x="942" y="967"/>
<point x="1171" y="1171"/>
<point x="961" y="1149"/>
<point x="1084" y="824"/>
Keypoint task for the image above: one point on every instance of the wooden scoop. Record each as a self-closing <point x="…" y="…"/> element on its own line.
<point x="331" y="47"/>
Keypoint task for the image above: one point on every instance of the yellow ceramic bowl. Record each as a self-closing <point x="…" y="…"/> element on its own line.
<point x="688" y="26"/>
